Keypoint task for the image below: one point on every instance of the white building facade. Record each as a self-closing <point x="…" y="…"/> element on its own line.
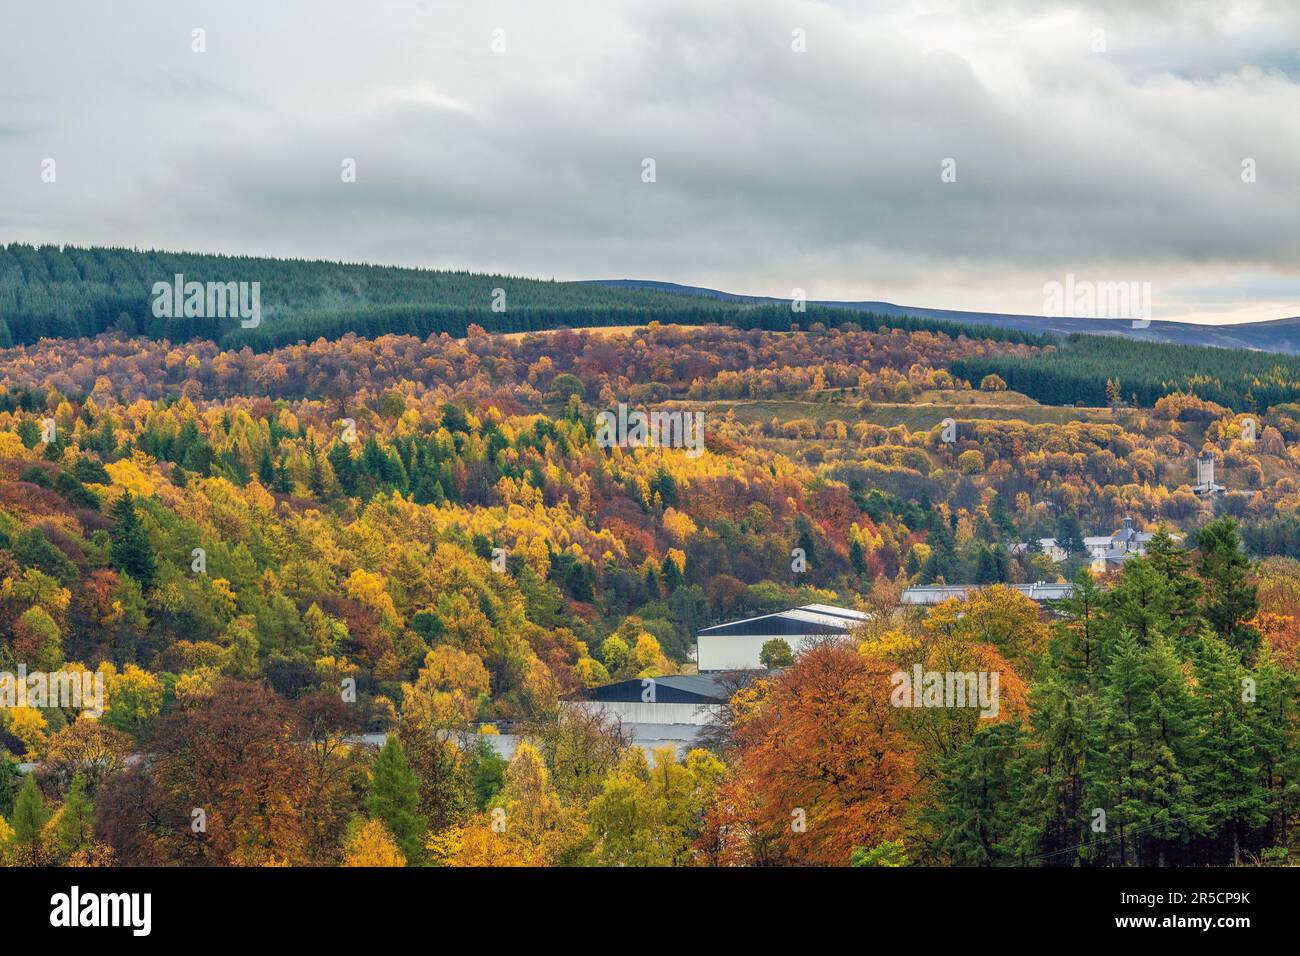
<point x="738" y="644"/>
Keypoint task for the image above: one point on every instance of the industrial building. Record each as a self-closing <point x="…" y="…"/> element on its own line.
<point x="737" y="644"/>
<point x="660" y="711"/>
<point x="932" y="594"/>
<point x="676" y="699"/>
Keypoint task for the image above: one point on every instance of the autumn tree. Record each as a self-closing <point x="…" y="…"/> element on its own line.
<point x="650" y="815"/>
<point x="91" y="749"/>
<point x="233" y="756"/>
<point x="528" y="815"/>
<point x="370" y="844"/>
<point x="394" y="799"/>
<point x="336" y="775"/>
<point x="75" y="831"/>
<point x="29" y="819"/>
<point x="820" y="748"/>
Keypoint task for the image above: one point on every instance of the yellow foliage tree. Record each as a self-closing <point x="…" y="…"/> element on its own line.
<point x="372" y="845"/>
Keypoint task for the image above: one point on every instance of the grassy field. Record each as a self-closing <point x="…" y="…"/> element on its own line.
<point x="1006" y="406"/>
<point x="597" y="332"/>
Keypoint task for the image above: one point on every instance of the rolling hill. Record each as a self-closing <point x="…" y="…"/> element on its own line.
<point x="69" y="292"/>
<point x="1276" y="335"/>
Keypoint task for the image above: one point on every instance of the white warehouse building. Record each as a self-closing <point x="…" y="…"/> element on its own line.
<point x="673" y="707"/>
<point x="736" y="645"/>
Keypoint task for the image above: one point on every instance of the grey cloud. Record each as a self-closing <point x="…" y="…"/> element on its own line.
<point x="775" y="169"/>
<point x="16" y="131"/>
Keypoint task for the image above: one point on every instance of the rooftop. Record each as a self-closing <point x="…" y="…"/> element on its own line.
<point x="811" y="619"/>
<point x="670" y="689"/>
<point x="938" y="593"/>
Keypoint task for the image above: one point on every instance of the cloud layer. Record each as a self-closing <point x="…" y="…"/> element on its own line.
<point x="1087" y="138"/>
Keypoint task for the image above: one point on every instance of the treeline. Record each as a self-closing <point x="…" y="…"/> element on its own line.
<point x="1099" y="370"/>
<point x="1150" y="723"/>
<point x="1161" y="729"/>
<point x="1279" y="537"/>
<point x="454" y="320"/>
<point x="69" y="292"/>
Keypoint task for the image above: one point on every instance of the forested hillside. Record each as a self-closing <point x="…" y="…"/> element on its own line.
<point x="53" y="292"/>
<point x="431" y="523"/>
<point x="1097" y="370"/>
<point x="67" y="292"/>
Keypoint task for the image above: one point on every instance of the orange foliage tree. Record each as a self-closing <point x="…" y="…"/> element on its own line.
<point x="824" y="762"/>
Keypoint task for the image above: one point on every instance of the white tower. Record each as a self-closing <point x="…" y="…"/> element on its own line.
<point x="1205" y="475"/>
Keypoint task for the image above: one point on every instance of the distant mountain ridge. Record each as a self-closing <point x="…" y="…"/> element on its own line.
<point x="50" y="291"/>
<point x="1274" y="335"/>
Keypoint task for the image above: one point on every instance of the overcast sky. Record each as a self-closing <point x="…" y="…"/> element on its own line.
<point x="1094" y="139"/>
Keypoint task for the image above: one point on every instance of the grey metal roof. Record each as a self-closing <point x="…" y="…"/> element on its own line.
<point x="1043" y="591"/>
<point x="919" y="590"/>
<point x="670" y="689"/>
<point x="938" y="593"/>
<point x="797" y="621"/>
<point x="833" y="611"/>
<point x="706" y="685"/>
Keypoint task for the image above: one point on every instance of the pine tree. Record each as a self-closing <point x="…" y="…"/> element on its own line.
<point x="1276" y="725"/>
<point x="425" y="489"/>
<point x="987" y="570"/>
<point x="806" y="540"/>
<point x="316" y="473"/>
<point x="1183" y="590"/>
<point x="132" y="553"/>
<point x="1074" y="650"/>
<point x="1148" y="719"/>
<point x="30" y="816"/>
<point x="1230" y="779"/>
<point x="672" y="575"/>
<point x="1054" y="812"/>
<point x="265" y="467"/>
<point x="980" y="787"/>
<point x="1069" y="534"/>
<point x="857" y="557"/>
<point x="345" y="468"/>
<point x="76" y="827"/>
<point x="1230" y="603"/>
<point x="10" y="780"/>
<point x="1139" y="603"/>
<point x="395" y="799"/>
<point x="1001" y="517"/>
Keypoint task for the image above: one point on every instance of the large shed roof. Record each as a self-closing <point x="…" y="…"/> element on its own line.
<point x="810" y="620"/>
